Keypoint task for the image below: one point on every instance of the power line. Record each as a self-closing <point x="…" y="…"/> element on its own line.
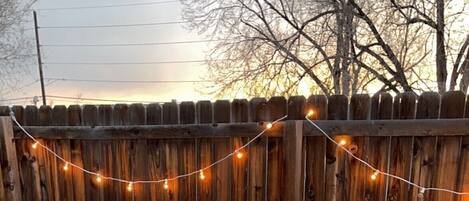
<point x="108" y="6"/>
<point x="129" y="44"/>
<point x="126" y="81"/>
<point x="113" y="25"/>
<point x="99" y="99"/>
<point x="56" y="97"/>
<point x="15" y="99"/>
<point x="126" y="63"/>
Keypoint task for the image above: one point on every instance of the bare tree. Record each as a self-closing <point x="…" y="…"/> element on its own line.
<point x="16" y="50"/>
<point x="341" y="47"/>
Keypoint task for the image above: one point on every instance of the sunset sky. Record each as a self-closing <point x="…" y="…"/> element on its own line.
<point x="164" y="12"/>
<point x="55" y="15"/>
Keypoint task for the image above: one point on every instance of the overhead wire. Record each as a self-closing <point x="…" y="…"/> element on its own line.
<point x="99" y="99"/>
<point x="129" y="44"/>
<point x="16" y="99"/>
<point x="108" y="6"/>
<point x="112" y="25"/>
<point x="125" y="81"/>
<point x="126" y="63"/>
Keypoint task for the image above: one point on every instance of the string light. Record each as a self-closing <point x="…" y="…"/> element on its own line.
<point x="310" y="113"/>
<point x="374" y="176"/>
<point x="239" y="154"/>
<point x="129" y="186"/>
<point x="343" y="142"/>
<point x="165" y="185"/>
<point x="269" y="126"/>
<point x="202" y="176"/>
<point x="34" y="145"/>
<point x="98" y="178"/>
<point x="422" y="189"/>
<point x="66" y="166"/>
<point x="130" y="183"/>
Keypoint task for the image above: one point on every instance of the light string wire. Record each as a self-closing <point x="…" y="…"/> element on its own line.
<point x="131" y="182"/>
<point x="376" y="170"/>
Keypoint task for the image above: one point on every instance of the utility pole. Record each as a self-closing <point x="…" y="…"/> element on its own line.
<point x="39" y="60"/>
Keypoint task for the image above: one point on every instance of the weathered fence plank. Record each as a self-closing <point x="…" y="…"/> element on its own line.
<point x="424" y="147"/>
<point x="92" y="157"/>
<point x="315" y="151"/>
<point x="239" y="108"/>
<point x="222" y="147"/>
<point x="401" y="149"/>
<point x="336" y="180"/>
<point x="74" y="119"/>
<point x="120" y="152"/>
<point x="448" y="149"/>
<point x="257" y="156"/>
<point x="65" y="179"/>
<point x="154" y="114"/>
<point x="11" y="173"/>
<point x="275" y="173"/>
<point x="187" y="154"/>
<point x="381" y="110"/>
<point x="105" y="119"/>
<point x="293" y="141"/>
<point x="205" y="157"/>
<point x="463" y="184"/>
<point x="139" y="149"/>
<point x="359" y="110"/>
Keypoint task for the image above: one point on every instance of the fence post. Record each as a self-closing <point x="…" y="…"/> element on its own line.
<point x="12" y="175"/>
<point x="293" y="141"/>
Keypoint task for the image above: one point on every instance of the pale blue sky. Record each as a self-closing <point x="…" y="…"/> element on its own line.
<point x="164" y="12"/>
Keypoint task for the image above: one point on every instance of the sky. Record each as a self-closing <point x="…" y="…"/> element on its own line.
<point x="167" y="11"/>
<point x="53" y="17"/>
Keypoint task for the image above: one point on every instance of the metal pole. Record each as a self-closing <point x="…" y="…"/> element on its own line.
<point x="39" y="60"/>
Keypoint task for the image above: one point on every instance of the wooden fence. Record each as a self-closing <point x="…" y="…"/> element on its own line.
<point x="292" y="162"/>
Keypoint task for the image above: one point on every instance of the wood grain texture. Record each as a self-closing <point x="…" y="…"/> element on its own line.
<point x="401" y="160"/>
<point x="336" y="166"/>
<point x="425" y="147"/>
<point x="293" y="141"/>
<point x="448" y="149"/>
<point x="315" y="152"/>
<point x="240" y="113"/>
<point x="358" y="174"/>
<point x="12" y="173"/>
<point x="275" y="153"/>
<point x="222" y="147"/>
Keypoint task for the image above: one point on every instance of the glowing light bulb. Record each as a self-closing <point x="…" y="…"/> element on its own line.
<point x="202" y="176"/>
<point x="66" y="166"/>
<point x="310" y="113"/>
<point x="269" y="126"/>
<point x="34" y="146"/>
<point x="130" y="187"/>
<point x="165" y="185"/>
<point x="374" y="176"/>
<point x="343" y="142"/>
<point x="98" y="178"/>
<point x="239" y="154"/>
